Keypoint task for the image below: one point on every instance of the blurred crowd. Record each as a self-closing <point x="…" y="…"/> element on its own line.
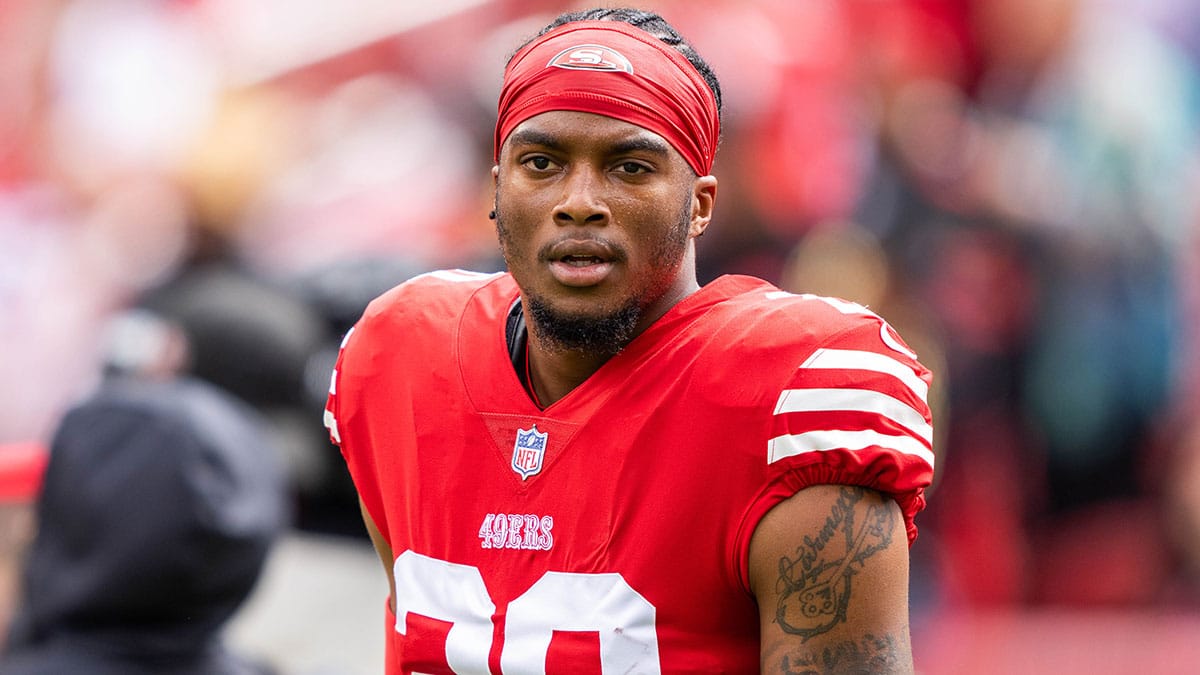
<point x="216" y="188"/>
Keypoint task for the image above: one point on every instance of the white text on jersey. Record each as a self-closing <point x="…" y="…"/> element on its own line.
<point x="519" y="531"/>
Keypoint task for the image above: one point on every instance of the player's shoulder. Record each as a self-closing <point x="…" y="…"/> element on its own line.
<point x="429" y="296"/>
<point x="427" y="308"/>
<point x="762" y="315"/>
<point x="439" y="287"/>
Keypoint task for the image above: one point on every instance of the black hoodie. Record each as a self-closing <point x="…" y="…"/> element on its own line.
<point x="159" y="504"/>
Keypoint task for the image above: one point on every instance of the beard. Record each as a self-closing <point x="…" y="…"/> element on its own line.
<point x="607" y="333"/>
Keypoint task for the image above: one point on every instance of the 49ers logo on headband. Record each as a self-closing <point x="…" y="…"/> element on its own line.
<point x="591" y="57"/>
<point x="664" y="93"/>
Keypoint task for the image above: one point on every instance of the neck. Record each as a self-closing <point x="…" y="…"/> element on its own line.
<point x="555" y="373"/>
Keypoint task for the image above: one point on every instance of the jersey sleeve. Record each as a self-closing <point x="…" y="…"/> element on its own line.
<point x="855" y="412"/>
<point x="331" y="400"/>
<point x="339" y="416"/>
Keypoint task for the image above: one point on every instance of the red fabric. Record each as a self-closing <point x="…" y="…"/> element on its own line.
<point x="613" y="69"/>
<point x="21" y="469"/>
<point x="652" y="476"/>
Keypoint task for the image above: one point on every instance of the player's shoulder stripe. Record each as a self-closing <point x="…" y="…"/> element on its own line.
<point x="842" y="306"/>
<point x="439" y="286"/>
<point x="857" y="400"/>
<point x="451" y="276"/>
<point x="886" y="410"/>
<point x="827" y="315"/>
<point x="858" y="411"/>
<point x="856" y="359"/>
<point x="460" y="276"/>
<point x="823" y="440"/>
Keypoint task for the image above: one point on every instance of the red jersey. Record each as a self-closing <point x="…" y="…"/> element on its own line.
<point x="610" y="531"/>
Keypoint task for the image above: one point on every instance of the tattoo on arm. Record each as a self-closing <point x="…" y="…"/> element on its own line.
<point x="814" y="586"/>
<point x="870" y="655"/>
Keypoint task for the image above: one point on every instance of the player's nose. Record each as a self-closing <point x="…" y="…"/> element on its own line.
<point x="582" y="201"/>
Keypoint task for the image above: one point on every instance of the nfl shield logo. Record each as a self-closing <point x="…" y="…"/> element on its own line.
<point x="528" y="452"/>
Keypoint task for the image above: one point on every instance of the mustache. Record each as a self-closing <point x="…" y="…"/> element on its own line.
<point x="582" y="244"/>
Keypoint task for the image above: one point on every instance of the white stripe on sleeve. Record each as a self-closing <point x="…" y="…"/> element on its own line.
<point x="852" y="400"/>
<point x="332" y="425"/>
<point x="850" y="359"/>
<point x="791" y="445"/>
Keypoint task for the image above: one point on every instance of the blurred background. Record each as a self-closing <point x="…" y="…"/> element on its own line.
<point x="216" y="188"/>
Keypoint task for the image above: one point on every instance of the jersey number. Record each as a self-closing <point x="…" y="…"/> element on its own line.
<point x="559" y="601"/>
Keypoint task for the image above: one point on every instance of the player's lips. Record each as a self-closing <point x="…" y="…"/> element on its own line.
<point x="581" y="262"/>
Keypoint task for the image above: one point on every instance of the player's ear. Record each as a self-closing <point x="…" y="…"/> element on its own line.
<point x="495" y="188"/>
<point x="704" y="197"/>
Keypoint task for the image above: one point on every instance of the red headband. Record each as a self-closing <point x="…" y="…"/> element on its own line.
<point x="613" y="69"/>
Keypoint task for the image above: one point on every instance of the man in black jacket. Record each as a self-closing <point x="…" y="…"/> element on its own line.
<point x="159" y="505"/>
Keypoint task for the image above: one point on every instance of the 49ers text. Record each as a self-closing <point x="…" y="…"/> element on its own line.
<point x="522" y="531"/>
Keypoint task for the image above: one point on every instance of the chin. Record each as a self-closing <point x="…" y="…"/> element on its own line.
<point x="592" y="331"/>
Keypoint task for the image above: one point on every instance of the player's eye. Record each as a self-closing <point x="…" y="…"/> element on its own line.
<point x="538" y="163"/>
<point x="633" y="168"/>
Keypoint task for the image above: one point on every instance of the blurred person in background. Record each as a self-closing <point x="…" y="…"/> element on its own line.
<point x="1038" y="202"/>
<point x="158" y="506"/>
<point x="564" y="465"/>
<point x="21" y="468"/>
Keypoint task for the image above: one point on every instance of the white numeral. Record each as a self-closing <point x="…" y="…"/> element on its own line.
<point x="447" y="592"/>
<point x="581" y="602"/>
<point x="601" y="603"/>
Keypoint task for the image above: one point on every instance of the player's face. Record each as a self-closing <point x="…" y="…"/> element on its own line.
<point x="596" y="219"/>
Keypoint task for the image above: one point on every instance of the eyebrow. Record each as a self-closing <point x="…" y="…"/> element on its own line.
<point x="642" y="142"/>
<point x="533" y="137"/>
<point x="646" y="143"/>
